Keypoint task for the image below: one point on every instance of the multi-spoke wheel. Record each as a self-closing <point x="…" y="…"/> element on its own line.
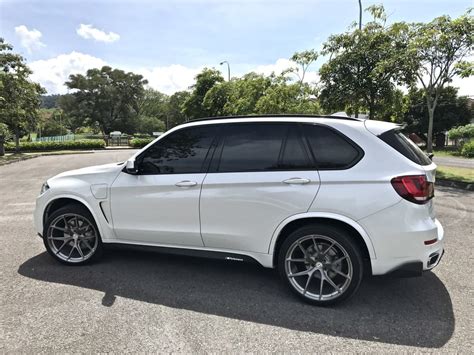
<point x="71" y="235"/>
<point x="322" y="264"/>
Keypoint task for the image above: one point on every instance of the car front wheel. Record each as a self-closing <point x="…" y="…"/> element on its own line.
<point x="321" y="264"/>
<point x="71" y="235"/>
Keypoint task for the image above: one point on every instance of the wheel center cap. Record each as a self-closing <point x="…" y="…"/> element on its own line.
<point x="75" y="236"/>
<point x="319" y="264"/>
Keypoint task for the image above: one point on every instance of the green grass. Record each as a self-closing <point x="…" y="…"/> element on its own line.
<point x="447" y="153"/>
<point x="457" y="174"/>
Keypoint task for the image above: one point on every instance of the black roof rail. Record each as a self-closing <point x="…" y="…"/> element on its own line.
<point x="275" y="115"/>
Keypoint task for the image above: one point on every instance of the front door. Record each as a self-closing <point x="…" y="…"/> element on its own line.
<point x="160" y="205"/>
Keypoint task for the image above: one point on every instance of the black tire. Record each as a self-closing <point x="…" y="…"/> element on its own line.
<point x="94" y="246"/>
<point x="321" y="268"/>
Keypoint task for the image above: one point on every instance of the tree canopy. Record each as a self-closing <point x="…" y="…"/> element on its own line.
<point x="19" y="97"/>
<point x="109" y="97"/>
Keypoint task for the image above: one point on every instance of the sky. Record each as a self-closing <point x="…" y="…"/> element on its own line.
<point x="169" y="42"/>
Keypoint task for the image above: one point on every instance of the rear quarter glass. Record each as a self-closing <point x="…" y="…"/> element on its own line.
<point x="398" y="141"/>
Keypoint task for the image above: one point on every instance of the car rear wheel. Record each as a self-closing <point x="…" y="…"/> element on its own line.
<point x="71" y="236"/>
<point x="321" y="264"/>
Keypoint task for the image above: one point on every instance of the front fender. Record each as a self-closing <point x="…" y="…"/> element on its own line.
<point x="91" y="203"/>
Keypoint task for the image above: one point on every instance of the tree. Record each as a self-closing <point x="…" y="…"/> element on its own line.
<point x="50" y="101"/>
<point x="153" y="105"/>
<point x="51" y="122"/>
<point x="149" y="125"/>
<point x="451" y="111"/>
<point x="4" y="135"/>
<point x="108" y="97"/>
<point x="436" y="54"/>
<point x="175" y="108"/>
<point x="194" y="106"/>
<point x="283" y="96"/>
<point x="19" y="97"/>
<point x="363" y="67"/>
<point x="303" y="60"/>
<point x="73" y="112"/>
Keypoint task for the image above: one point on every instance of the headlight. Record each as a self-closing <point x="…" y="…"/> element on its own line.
<point x="44" y="188"/>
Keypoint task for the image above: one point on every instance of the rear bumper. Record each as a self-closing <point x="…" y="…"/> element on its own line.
<point x="399" y="234"/>
<point x="416" y="268"/>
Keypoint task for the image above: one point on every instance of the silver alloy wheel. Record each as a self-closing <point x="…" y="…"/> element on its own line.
<point x="318" y="267"/>
<point x="72" y="237"/>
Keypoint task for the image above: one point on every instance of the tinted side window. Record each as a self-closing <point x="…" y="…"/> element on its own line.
<point x="181" y="152"/>
<point x="294" y="156"/>
<point x="252" y="147"/>
<point x="405" y="146"/>
<point x="331" y="150"/>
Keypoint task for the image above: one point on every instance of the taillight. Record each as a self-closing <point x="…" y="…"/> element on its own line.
<point x="414" y="188"/>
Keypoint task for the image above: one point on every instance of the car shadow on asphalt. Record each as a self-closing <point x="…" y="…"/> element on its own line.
<point x="414" y="312"/>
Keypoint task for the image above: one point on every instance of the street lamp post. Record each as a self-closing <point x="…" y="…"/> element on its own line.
<point x="228" y="69"/>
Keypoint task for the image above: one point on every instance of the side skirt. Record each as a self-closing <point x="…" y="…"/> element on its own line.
<point x="187" y="252"/>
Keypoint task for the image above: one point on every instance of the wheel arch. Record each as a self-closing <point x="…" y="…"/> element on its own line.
<point x="352" y="227"/>
<point x="63" y="200"/>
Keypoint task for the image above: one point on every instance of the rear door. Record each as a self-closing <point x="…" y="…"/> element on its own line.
<point x="260" y="175"/>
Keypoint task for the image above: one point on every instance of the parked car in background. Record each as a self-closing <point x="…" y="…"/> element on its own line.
<point x="326" y="200"/>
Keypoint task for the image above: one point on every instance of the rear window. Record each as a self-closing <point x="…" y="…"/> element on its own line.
<point x="405" y="146"/>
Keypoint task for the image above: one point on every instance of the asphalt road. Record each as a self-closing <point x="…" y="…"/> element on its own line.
<point x="137" y="301"/>
<point x="454" y="162"/>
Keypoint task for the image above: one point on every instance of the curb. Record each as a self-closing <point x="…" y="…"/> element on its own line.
<point x="456" y="184"/>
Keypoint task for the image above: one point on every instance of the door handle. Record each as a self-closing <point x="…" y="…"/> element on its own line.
<point x="186" y="183"/>
<point x="296" y="181"/>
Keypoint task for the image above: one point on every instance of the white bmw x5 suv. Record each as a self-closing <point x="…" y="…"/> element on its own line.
<point x="323" y="199"/>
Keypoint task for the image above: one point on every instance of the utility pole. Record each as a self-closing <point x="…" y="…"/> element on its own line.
<point x="360" y="14"/>
<point x="228" y="68"/>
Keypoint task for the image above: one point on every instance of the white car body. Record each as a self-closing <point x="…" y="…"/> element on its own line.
<point x="244" y="213"/>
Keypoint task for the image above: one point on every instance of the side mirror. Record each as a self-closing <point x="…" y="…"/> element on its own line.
<point x="131" y="167"/>
<point x="431" y="155"/>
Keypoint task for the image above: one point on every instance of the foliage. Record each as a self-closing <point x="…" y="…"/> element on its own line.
<point x="194" y="106"/>
<point x="466" y="132"/>
<point x="286" y="97"/>
<point x="303" y="60"/>
<point x="153" y="104"/>
<point x="140" y="142"/>
<point x="49" y="101"/>
<point x="436" y="52"/>
<point x="4" y="132"/>
<point x="66" y="145"/>
<point x="150" y="124"/>
<point x="452" y="111"/>
<point x="363" y="66"/>
<point x="50" y="123"/>
<point x="109" y="97"/>
<point x="175" y="108"/>
<point x="467" y="149"/>
<point x="73" y="113"/>
<point x="19" y="97"/>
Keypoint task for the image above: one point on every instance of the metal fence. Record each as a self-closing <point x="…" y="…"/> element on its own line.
<point x="116" y="140"/>
<point x="67" y="137"/>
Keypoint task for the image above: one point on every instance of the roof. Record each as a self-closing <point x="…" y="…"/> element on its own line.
<point x="275" y="116"/>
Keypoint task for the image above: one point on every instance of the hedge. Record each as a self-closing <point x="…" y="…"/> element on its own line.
<point x="85" y="144"/>
<point x="462" y="132"/>
<point x="140" y="142"/>
<point x="467" y="149"/>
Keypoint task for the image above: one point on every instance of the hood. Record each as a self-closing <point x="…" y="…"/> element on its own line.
<point x="97" y="173"/>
